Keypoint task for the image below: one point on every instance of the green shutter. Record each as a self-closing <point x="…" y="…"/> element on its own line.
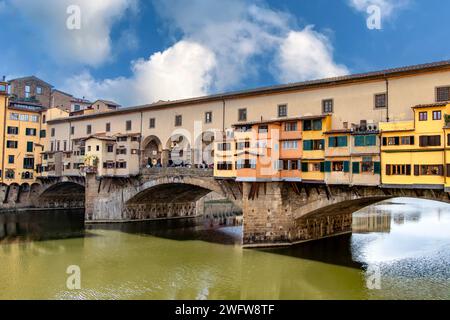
<point x="371" y="140"/>
<point x="377" y="167"/>
<point x="29" y="146"/>
<point x="331" y="142"/>
<point x="356" y="167"/>
<point x="346" y="166"/>
<point x="305" y="166"/>
<point x="359" y="141"/>
<point x="327" y="166"/>
<point x="322" y="144"/>
<point x="342" y="141"/>
<point x="317" y="125"/>
<point x="322" y="167"/>
<point x="307" y="145"/>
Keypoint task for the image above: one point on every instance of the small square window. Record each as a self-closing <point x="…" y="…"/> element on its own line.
<point x="437" y="115"/>
<point x="208" y="117"/>
<point x="282" y="110"/>
<point x="178" y="121"/>
<point x="442" y="94"/>
<point x="242" y="114"/>
<point x="380" y="100"/>
<point x="423" y="116"/>
<point x="327" y="106"/>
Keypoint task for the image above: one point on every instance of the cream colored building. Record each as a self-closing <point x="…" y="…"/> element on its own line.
<point x="176" y="130"/>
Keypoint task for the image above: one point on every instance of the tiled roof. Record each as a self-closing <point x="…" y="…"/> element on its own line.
<point x="437" y="104"/>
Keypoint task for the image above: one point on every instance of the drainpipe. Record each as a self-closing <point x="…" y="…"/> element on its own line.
<point x="223" y="115"/>
<point x="387" y="98"/>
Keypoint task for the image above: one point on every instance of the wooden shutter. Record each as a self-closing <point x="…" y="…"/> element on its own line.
<point x="355" y="167"/>
<point x="327" y="166"/>
<point x="388" y="170"/>
<point x="411" y="140"/>
<point x="322" y="167"/>
<point x="423" y="141"/>
<point x="416" y="170"/>
<point x="331" y="142"/>
<point x="305" y="166"/>
<point x="376" y="167"/>
<point x="448" y="170"/>
<point x="441" y="170"/>
<point x="408" y="169"/>
<point x="397" y="141"/>
<point x="346" y="166"/>
<point x="384" y="141"/>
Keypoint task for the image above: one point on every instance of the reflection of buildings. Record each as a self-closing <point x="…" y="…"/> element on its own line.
<point x="372" y="221"/>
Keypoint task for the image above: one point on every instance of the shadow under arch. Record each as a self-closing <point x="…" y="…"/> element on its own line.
<point x="63" y="192"/>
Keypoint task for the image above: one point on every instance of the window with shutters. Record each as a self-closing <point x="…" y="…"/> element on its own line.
<point x="290" y="126"/>
<point x="442" y="94"/>
<point x="312" y="125"/>
<point x="407" y="140"/>
<point x="337" y="166"/>
<point x="398" y="169"/>
<point x="431" y="170"/>
<point x="224" y="166"/>
<point x="337" y="142"/>
<point x="316" y="167"/>
<point x="430" y="141"/>
<point x="366" y="141"/>
<point x="393" y="141"/>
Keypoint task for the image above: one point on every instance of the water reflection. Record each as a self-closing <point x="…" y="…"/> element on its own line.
<point x="407" y="240"/>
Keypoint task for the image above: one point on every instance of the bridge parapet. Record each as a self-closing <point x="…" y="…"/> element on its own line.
<point x="175" y="171"/>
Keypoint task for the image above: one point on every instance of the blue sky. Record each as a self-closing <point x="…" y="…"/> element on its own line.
<point x="140" y="51"/>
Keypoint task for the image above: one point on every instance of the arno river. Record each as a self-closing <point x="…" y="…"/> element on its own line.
<point x="400" y="249"/>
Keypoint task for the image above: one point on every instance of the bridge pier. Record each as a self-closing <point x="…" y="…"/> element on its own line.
<point x="267" y="218"/>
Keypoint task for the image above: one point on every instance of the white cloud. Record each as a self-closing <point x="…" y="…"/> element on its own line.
<point x="306" y="55"/>
<point x="223" y="44"/>
<point x="387" y="7"/>
<point x="184" y="70"/>
<point x="91" y="45"/>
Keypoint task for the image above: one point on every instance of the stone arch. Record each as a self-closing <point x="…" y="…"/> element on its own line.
<point x="151" y="151"/>
<point x="171" y="196"/>
<point x="65" y="194"/>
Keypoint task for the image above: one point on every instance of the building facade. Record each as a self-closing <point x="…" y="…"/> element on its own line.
<point x="325" y="131"/>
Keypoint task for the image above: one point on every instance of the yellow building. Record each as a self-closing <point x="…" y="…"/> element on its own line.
<point x="414" y="153"/>
<point x="313" y="157"/>
<point x="21" y="142"/>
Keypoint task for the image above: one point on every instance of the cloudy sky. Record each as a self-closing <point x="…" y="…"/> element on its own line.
<point x="141" y="51"/>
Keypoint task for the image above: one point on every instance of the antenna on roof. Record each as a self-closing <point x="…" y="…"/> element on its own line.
<point x="4" y="78"/>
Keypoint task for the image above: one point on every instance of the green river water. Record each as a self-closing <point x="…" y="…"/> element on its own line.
<point x="403" y="244"/>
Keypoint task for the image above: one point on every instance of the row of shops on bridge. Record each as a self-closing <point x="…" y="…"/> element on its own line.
<point x="406" y="154"/>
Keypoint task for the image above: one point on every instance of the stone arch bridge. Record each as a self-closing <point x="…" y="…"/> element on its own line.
<point x="275" y="213"/>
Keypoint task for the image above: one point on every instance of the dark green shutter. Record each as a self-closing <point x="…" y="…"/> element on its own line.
<point x="371" y="140"/>
<point x="346" y="166"/>
<point x="342" y="141"/>
<point x="305" y="166"/>
<point x="322" y="144"/>
<point x="307" y="145"/>
<point x="359" y="141"/>
<point x="29" y="146"/>
<point x="356" y="167"/>
<point x="322" y="167"/>
<point x="331" y="142"/>
<point x="327" y="166"/>
<point x="377" y="167"/>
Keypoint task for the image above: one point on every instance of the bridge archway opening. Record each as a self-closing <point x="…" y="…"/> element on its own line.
<point x="152" y="150"/>
<point x="63" y="194"/>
